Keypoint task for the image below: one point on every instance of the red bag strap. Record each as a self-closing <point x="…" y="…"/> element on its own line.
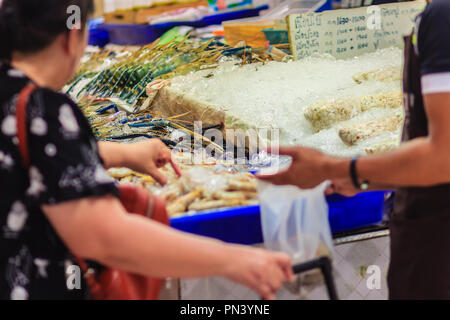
<point x="21" y="122"/>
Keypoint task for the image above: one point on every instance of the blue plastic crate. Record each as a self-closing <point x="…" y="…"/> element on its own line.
<point x="347" y="213"/>
<point x="326" y="6"/>
<point x="237" y="225"/>
<point x="98" y="37"/>
<point x="130" y="34"/>
<point x="243" y="224"/>
<point x="213" y="19"/>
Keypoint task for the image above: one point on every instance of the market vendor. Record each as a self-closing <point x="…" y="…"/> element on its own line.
<point x="419" y="169"/>
<point x="66" y="205"/>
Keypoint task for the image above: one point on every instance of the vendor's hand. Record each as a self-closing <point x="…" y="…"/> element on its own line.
<point x="148" y="156"/>
<point x="308" y="168"/>
<point x="343" y="187"/>
<point x="261" y="270"/>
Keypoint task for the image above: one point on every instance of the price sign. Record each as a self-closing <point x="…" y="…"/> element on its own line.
<point x="351" y="32"/>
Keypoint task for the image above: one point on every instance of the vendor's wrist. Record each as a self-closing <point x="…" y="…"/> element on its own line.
<point x="336" y="168"/>
<point x="355" y="178"/>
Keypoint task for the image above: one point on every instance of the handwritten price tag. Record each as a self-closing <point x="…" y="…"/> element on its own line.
<point x="351" y="32"/>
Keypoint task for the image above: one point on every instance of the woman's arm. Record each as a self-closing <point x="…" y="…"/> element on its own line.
<point x="113" y="154"/>
<point x="99" y="229"/>
<point x="145" y="157"/>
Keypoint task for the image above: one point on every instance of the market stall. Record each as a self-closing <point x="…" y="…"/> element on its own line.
<point x="335" y="87"/>
<point x="224" y="150"/>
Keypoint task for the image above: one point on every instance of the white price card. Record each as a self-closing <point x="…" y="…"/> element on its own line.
<point x="348" y="33"/>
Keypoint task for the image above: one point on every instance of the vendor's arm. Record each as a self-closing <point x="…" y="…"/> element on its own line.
<point x="145" y="157"/>
<point x="420" y="162"/>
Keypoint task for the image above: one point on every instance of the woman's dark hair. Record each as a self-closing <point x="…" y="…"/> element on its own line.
<point x="31" y="25"/>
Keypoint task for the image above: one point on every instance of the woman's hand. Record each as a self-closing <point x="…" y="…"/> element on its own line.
<point x="343" y="187"/>
<point x="308" y="169"/>
<point x="147" y="157"/>
<point x="260" y="270"/>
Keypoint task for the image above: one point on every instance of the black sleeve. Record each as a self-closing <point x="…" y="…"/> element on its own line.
<point x="65" y="163"/>
<point x="434" y="38"/>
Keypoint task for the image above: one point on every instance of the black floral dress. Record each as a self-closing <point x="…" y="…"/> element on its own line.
<point x="65" y="165"/>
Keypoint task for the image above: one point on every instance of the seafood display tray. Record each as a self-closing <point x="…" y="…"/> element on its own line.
<point x="243" y="225"/>
<point x="130" y="34"/>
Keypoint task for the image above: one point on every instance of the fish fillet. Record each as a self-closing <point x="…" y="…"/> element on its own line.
<point x="383" y="75"/>
<point x="355" y="133"/>
<point x="389" y="100"/>
<point x="382" y="147"/>
<point x="324" y="114"/>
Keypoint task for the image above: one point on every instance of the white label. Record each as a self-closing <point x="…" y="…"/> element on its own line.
<point x="351" y="32"/>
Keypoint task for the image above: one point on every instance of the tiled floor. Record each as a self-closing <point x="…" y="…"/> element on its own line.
<point x="351" y="261"/>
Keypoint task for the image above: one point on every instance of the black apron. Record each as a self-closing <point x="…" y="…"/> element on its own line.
<point x="420" y="224"/>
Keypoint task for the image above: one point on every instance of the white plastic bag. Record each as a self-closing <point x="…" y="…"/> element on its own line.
<point x="295" y="221"/>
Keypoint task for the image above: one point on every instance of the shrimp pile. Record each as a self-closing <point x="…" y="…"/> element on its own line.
<point x="201" y="188"/>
